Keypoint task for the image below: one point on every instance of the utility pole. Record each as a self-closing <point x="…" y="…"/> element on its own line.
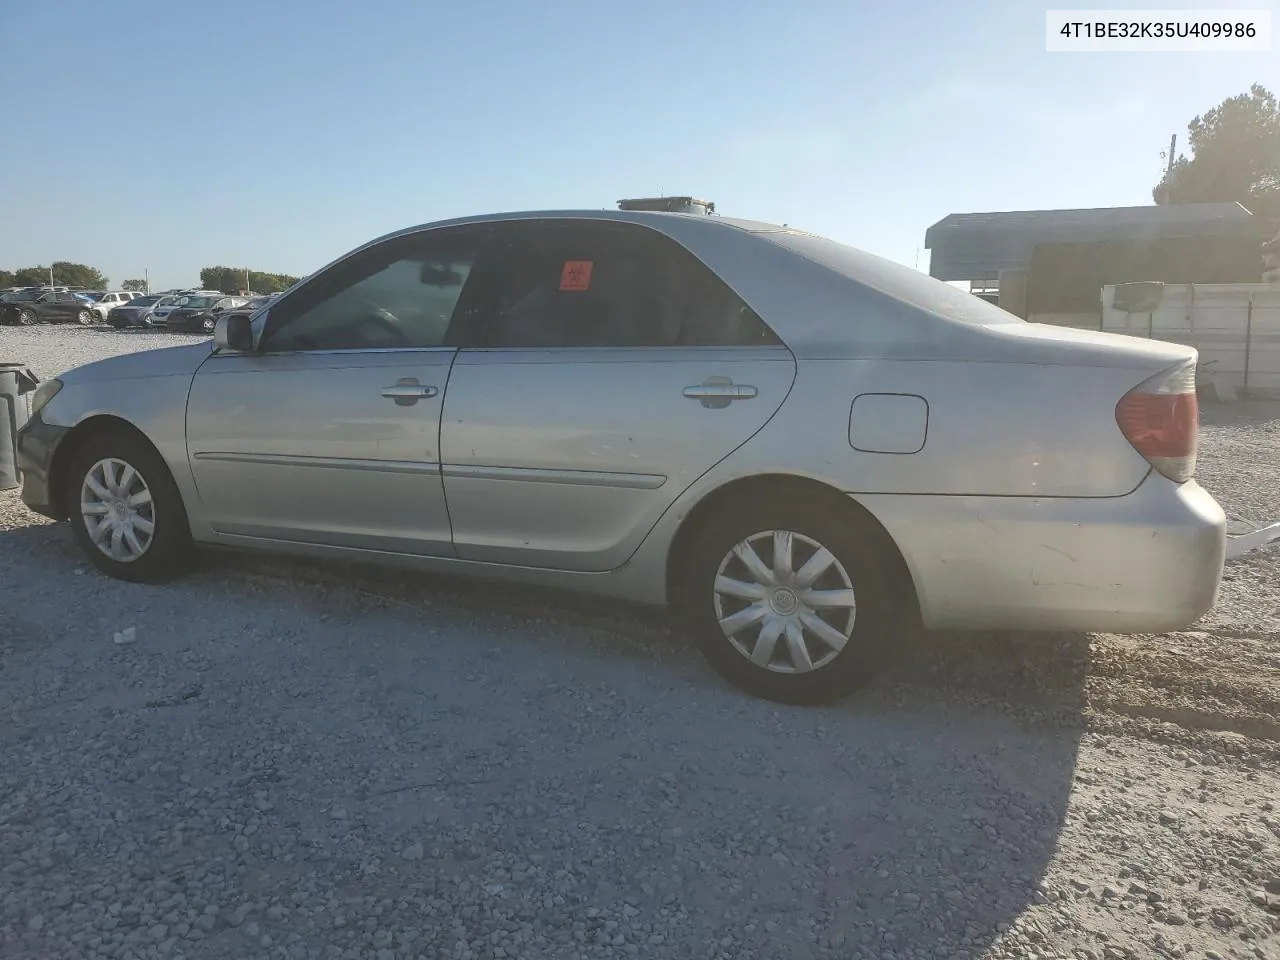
<point x="146" y="279"/>
<point x="1173" y="145"/>
<point x="51" y="277"/>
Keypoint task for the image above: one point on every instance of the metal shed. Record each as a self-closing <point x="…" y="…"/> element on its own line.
<point x="978" y="246"/>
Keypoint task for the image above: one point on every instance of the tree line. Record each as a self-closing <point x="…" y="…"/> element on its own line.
<point x="233" y="278"/>
<point x="1235" y="155"/>
<point x="64" y="275"/>
<point x="67" y="274"/>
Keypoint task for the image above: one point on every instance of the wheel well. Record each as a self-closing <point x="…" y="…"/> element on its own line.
<point x="752" y="488"/>
<point x="71" y="445"/>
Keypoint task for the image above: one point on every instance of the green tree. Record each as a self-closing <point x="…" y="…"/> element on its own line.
<point x="31" y="276"/>
<point x="64" y="274"/>
<point x="221" y="278"/>
<point x="136" y="286"/>
<point x="233" y="278"/>
<point x="1235" y="156"/>
<point x="78" y="275"/>
<point x="6" y="279"/>
<point x="261" y="282"/>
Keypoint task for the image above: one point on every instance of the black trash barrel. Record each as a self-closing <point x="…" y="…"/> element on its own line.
<point x="16" y="382"/>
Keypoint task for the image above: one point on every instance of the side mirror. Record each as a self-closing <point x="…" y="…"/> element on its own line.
<point x="234" y="333"/>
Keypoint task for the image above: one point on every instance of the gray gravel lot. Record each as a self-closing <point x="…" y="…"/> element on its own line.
<point x="297" y="760"/>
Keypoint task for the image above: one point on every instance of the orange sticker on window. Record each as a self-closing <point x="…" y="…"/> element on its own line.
<point x="576" y="275"/>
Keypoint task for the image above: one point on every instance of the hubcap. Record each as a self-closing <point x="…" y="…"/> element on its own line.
<point x="784" y="601"/>
<point x="85" y="316"/>
<point x="118" y="511"/>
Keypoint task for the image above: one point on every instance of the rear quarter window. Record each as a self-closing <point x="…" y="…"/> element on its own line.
<point x="895" y="280"/>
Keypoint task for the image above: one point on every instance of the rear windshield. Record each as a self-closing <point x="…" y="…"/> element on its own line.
<point x="895" y="280"/>
<point x="144" y="301"/>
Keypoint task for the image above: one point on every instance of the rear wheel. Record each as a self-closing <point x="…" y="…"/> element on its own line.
<point x="793" y="601"/>
<point x="26" y="317"/>
<point x="125" y="509"/>
<point x="84" y="317"/>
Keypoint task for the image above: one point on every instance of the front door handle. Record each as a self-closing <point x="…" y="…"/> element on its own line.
<point x="407" y="391"/>
<point x="718" y="392"/>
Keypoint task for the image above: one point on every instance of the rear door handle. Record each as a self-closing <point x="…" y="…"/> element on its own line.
<point x="717" y="392"/>
<point x="407" y="391"/>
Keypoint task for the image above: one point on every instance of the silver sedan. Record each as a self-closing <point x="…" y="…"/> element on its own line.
<point x="804" y="449"/>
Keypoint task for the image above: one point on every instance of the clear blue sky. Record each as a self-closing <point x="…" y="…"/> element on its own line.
<point x="280" y="134"/>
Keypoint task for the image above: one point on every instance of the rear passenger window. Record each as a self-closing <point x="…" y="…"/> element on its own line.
<point x="575" y="284"/>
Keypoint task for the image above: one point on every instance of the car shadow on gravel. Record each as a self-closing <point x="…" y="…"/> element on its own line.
<point x="912" y="819"/>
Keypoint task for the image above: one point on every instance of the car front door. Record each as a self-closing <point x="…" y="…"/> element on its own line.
<point x="328" y="433"/>
<point x="612" y="370"/>
<point x="62" y="307"/>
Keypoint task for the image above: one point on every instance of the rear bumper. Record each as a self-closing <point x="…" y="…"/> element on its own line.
<point x="37" y="444"/>
<point x="1147" y="562"/>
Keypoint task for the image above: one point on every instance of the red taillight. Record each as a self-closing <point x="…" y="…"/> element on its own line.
<point x="1161" y="418"/>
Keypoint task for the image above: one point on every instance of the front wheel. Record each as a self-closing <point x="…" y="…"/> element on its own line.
<point x="26" y="318"/>
<point x="792" y="601"/>
<point x="125" y="509"/>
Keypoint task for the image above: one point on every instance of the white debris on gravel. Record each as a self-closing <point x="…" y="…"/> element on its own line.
<point x="354" y="765"/>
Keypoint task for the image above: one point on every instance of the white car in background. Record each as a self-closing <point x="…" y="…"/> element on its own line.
<point x="106" y="302"/>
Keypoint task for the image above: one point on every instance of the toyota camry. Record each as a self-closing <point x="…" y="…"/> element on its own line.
<point x="804" y="449"/>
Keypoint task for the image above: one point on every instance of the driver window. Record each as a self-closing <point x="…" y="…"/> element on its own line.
<point x="399" y="294"/>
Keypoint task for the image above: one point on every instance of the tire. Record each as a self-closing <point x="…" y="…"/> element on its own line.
<point x="84" y="317"/>
<point x="862" y="563"/>
<point x="167" y="552"/>
<point x="26" y="318"/>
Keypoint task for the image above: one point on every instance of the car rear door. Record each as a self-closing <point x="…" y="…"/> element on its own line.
<point x="329" y="432"/>
<point x="611" y="370"/>
<point x="64" y="307"/>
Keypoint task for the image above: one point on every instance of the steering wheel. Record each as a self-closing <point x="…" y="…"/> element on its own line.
<point x="378" y="316"/>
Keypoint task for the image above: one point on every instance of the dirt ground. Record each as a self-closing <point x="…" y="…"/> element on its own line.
<point x="297" y="760"/>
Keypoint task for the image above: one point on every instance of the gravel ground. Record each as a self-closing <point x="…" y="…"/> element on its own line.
<point x="296" y="760"/>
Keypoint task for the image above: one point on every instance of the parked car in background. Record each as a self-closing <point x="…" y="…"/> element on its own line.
<point x="198" y="314"/>
<point x="159" y="315"/>
<point x="138" y="311"/>
<point x="106" y="302"/>
<point x="250" y="306"/>
<point x="806" y="449"/>
<point x="28" y="308"/>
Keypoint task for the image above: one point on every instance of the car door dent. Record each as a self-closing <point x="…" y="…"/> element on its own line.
<point x="496" y="521"/>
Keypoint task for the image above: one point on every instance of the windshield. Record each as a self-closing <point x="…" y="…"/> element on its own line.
<point x="144" y="301"/>
<point x="196" y="303"/>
